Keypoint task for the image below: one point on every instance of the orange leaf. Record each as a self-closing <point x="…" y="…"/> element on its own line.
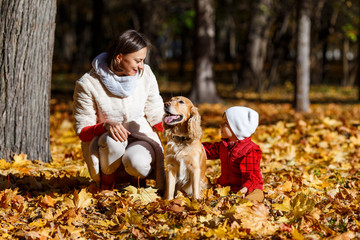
<point x="176" y="208"/>
<point x="48" y="201"/>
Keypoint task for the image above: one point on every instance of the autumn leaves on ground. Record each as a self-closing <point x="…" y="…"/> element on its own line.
<point x="310" y="165"/>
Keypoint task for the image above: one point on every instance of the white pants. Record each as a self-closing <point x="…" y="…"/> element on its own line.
<point x="137" y="156"/>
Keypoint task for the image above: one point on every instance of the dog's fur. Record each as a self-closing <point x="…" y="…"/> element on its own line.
<point x="185" y="158"/>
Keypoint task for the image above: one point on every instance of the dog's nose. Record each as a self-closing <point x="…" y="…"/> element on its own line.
<point x="167" y="105"/>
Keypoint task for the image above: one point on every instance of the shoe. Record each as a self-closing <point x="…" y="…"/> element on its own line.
<point x="107" y="181"/>
<point x="122" y="176"/>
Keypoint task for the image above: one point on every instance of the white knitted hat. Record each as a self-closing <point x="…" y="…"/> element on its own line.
<point x="243" y="121"/>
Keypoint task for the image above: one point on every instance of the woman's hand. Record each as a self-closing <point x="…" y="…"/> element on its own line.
<point x="117" y="131"/>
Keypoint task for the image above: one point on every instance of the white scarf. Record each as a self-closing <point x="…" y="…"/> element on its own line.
<point x="121" y="86"/>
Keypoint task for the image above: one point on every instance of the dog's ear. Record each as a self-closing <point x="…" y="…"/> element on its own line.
<point x="194" y="124"/>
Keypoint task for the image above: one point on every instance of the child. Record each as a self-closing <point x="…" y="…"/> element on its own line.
<point x="239" y="156"/>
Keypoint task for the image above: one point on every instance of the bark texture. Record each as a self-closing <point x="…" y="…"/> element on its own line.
<point x="252" y="66"/>
<point x="302" y="101"/>
<point x="358" y="69"/>
<point x="26" y="47"/>
<point x="204" y="88"/>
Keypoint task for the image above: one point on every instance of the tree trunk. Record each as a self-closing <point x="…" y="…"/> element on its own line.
<point x="225" y="42"/>
<point x="358" y="67"/>
<point x="346" y="71"/>
<point x="66" y="32"/>
<point x="252" y="67"/>
<point x="183" y="51"/>
<point x="358" y="72"/>
<point x="97" y="32"/>
<point x="204" y="88"/>
<point x="319" y="32"/>
<point x="280" y="42"/>
<point x="26" y="44"/>
<point x="303" y="57"/>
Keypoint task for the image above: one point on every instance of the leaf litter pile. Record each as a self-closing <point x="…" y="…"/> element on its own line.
<point x="310" y="166"/>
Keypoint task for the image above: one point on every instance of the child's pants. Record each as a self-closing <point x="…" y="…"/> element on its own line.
<point x="137" y="156"/>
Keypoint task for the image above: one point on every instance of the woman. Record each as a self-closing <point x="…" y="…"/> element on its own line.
<point x="117" y="105"/>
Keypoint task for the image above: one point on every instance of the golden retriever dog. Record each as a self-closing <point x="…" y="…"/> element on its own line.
<point x="185" y="158"/>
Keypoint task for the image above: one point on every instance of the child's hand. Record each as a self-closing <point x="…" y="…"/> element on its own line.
<point x="243" y="191"/>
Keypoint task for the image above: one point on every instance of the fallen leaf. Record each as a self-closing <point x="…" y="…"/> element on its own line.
<point x="144" y="195"/>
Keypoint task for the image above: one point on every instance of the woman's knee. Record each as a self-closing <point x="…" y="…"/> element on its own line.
<point x="105" y="140"/>
<point x="138" y="159"/>
<point x="110" y="153"/>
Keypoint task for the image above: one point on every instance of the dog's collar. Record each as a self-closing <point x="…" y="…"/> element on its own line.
<point x="181" y="138"/>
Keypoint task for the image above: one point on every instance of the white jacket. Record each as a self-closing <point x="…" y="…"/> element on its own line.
<point x="144" y="108"/>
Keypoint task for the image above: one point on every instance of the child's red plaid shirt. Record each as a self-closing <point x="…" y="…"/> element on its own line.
<point x="240" y="163"/>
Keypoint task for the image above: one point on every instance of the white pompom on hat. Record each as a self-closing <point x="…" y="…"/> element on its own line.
<point x="243" y="121"/>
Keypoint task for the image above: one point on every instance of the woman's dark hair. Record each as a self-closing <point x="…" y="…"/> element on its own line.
<point x="128" y="42"/>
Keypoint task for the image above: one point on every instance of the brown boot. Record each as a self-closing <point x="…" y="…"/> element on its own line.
<point x="122" y="176"/>
<point x="107" y="181"/>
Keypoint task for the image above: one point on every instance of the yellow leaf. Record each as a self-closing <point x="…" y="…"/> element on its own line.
<point x="4" y="165"/>
<point x="301" y="204"/>
<point x="144" y="195"/>
<point x="207" y="209"/>
<point x="209" y="233"/>
<point x="82" y="199"/>
<point x="219" y="232"/>
<point x="131" y="189"/>
<point x="208" y="193"/>
<point x="355" y="140"/>
<point x="49" y="216"/>
<point x="84" y="172"/>
<point x="207" y="218"/>
<point x="297" y="235"/>
<point x="285" y="206"/>
<point x="164" y="217"/>
<point x="224" y="191"/>
<point x="38" y="223"/>
<point x="133" y="218"/>
<point x="287" y="186"/>
<point x="68" y="202"/>
<point x="283" y="219"/>
<point x="331" y="122"/>
<point x="20" y="160"/>
<point x="106" y="223"/>
<point x="356" y="221"/>
<point x="255" y="218"/>
<point x="65" y="125"/>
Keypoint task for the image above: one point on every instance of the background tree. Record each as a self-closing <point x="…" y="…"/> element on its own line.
<point x="323" y="18"/>
<point x="358" y="69"/>
<point x="252" y="67"/>
<point x="97" y="26"/>
<point x="302" y="86"/>
<point x="279" y="45"/>
<point x="204" y="89"/>
<point x="358" y="52"/>
<point x="26" y="44"/>
<point x="170" y="26"/>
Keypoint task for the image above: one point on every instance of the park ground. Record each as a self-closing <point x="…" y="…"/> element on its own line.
<point x="310" y="165"/>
